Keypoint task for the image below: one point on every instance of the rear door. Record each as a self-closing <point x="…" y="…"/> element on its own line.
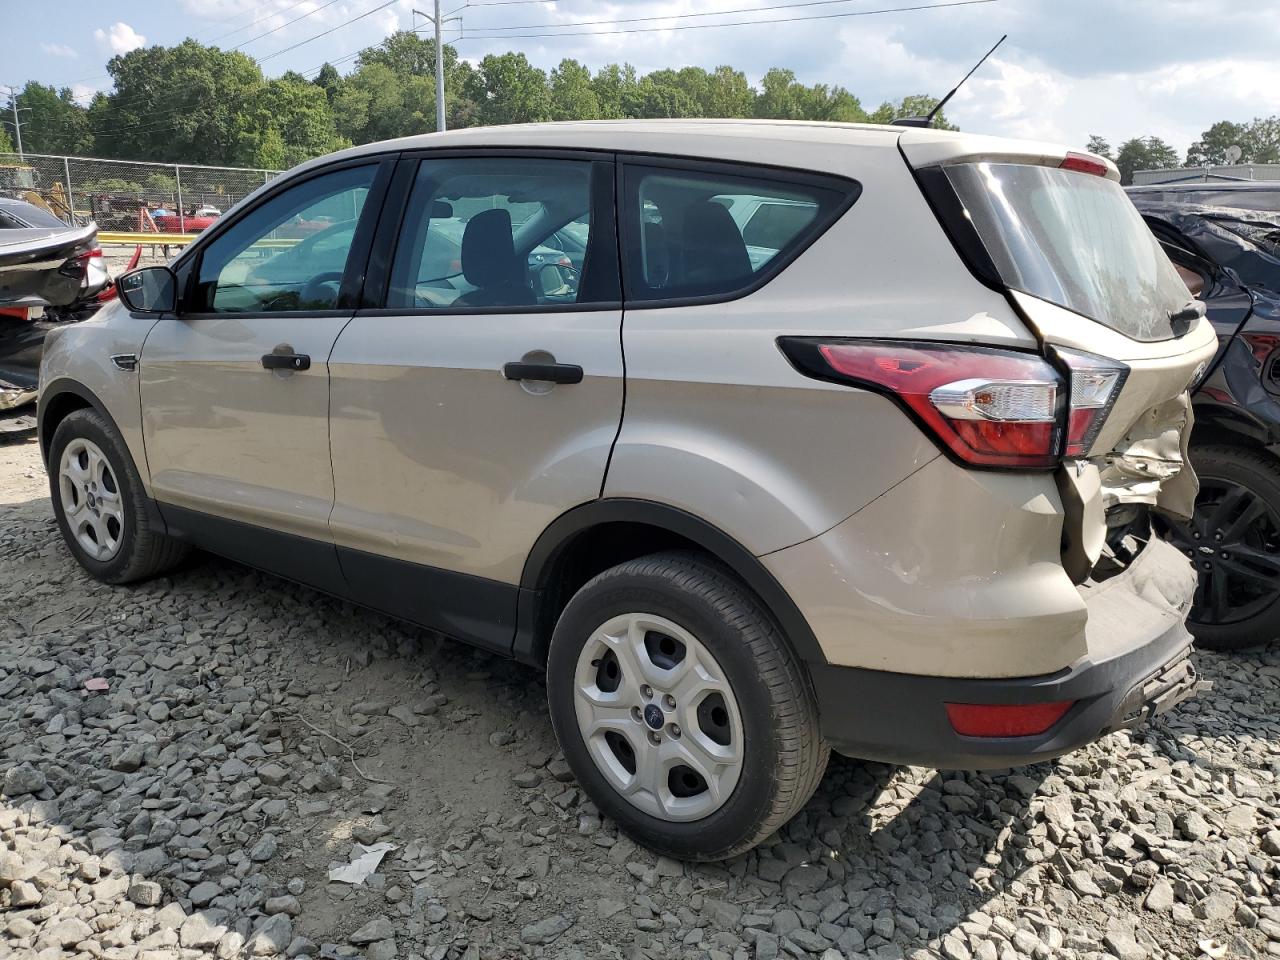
<point x="477" y="397"/>
<point x="235" y="388"/>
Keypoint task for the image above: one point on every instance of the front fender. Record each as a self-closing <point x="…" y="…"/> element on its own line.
<point x="77" y="361"/>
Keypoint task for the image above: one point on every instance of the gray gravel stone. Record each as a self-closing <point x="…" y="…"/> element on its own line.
<point x="546" y="930"/>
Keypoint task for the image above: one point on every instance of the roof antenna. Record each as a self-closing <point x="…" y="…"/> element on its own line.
<point x="928" y="121"/>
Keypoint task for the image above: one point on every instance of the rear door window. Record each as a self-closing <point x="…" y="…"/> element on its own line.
<point x="497" y="233"/>
<point x="710" y="232"/>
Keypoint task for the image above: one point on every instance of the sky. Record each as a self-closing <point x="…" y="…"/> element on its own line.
<point x="1116" y="68"/>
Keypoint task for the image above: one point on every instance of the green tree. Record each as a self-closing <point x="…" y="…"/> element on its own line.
<point x="1144" y="153"/>
<point x="916" y="105"/>
<point x="329" y="80"/>
<point x="728" y="94"/>
<point x="664" y="94"/>
<point x="376" y="103"/>
<point x="6" y="145"/>
<point x="617" y="90"/>
<point x="1211" y="148"/>
<point x="1262" y="140"/>
<point x="509" y="89"/>
<point x="55" y="123"/>
<point x="185" y="102"/>
<point x="1099" y="146"/>
<point x="290" y="121"/>
<point x="781" y="96"/>
<point x="572" y="96"/>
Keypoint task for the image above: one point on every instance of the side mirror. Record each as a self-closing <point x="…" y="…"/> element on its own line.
<point x="149" y="290"/>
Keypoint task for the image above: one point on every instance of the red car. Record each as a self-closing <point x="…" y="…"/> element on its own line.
<point x="191" y="223"/>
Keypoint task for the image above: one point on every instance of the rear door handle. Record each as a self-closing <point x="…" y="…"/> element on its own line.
<point x="551" y="372"/>
<point x="286" y="361"/>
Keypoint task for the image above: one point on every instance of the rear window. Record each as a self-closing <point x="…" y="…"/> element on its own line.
<point x="22" y="215"/>
<point x="707" y="234"/>
<point x="1075" y="240"/>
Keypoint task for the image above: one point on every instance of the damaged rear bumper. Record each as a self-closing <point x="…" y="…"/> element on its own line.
<point x="1138" y="666"/>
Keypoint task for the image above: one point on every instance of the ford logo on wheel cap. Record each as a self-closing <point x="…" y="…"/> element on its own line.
<point x="653" y="716"/>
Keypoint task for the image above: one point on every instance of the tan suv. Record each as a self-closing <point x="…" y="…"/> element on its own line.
<point x="829" y="436"/>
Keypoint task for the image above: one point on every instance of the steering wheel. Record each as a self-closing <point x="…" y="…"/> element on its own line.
<point x="318" y="289"/>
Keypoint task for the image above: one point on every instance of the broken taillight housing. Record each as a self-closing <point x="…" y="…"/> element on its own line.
<point x="78" y="263"/>
<point x="986" y="406"/>
<point x="1095" y="385"/>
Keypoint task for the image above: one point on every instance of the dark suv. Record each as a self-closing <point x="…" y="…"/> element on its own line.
<point x="1230" y="257"/>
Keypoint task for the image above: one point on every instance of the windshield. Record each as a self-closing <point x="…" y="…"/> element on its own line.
<point x="1073" y="239"/>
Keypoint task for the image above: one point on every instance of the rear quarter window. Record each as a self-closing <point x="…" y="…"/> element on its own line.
<point x="710" y="232"/>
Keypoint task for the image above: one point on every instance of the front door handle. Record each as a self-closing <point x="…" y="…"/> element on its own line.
<point x="551" y="372"/>
<point x="286" y="361"/>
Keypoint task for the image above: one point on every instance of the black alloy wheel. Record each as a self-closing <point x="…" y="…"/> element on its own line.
<point x="1234" y="542"/>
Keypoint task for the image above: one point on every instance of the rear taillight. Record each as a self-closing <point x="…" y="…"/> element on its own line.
<point x="1095" y="385"/>
<point x="1083" y="163"/>
<point x="78" y="263"/>
<point x="987" y="407"/>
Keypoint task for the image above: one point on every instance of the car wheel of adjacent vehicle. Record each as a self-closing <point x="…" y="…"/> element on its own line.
<point x="100" y="505"/>
<point x="1234" y="541"/>
<point x="681" y="708"/>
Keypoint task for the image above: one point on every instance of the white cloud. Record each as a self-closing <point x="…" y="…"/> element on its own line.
<point x="121" y="38"/>
<point x="83" y="93"/>
<point x="59" y="50"/>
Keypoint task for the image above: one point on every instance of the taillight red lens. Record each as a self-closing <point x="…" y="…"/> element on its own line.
<point x="1005" y="719"/>
<point x="1095" y="385"/>
<point x="1261" y="345"/>
<point x="1083" y="163"/>
<point x="989" y="407"/>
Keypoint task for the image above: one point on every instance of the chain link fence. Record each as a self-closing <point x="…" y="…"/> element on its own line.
<point x="127" y="195"/>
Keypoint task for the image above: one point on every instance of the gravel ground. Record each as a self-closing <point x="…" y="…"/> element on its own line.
<point x="182" y="762"/>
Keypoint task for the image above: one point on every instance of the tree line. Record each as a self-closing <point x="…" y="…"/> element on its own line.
<point x="192" y="103"/>
<point x="1258" y="140"/>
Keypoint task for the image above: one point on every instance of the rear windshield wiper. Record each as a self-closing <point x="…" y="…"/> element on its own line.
<point x="1181" y="320"/>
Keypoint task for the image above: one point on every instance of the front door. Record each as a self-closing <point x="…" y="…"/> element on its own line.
<point x="235" y="388"/>
<point x="481" y="400"/>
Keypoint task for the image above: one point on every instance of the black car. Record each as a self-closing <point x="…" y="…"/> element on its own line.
<point x="1230" y="258"/>
<point x="50" y="272"/>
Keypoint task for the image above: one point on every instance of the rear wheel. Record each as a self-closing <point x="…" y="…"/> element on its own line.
<point x="1234" y="541"/>
<point x="681" y="709"/>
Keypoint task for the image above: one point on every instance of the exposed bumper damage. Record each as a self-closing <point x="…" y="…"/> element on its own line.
<point x="1151" y="463"/>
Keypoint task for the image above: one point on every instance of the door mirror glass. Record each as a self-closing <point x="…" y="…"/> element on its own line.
<point x="149" y="290"/>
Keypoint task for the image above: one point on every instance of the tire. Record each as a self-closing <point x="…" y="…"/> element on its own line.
<point x="753" y="698"/>
<point x="1255" y="617"/>
<point x="140" y="550"/>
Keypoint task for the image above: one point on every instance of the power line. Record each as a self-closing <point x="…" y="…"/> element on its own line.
<point x="300" y="43"/>
<point x="287" y="23"/>
<point x="670" y="16"/>
<point x="734" y="23"/>
<point x="254" y="23"/>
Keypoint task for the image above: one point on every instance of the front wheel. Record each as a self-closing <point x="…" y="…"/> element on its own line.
<point x="681" y="709"/>
<point x="1234" y="542"/>
<point x="100" y="505"/>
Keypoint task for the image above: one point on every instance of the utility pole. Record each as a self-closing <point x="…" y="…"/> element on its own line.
<point x="17" y="119"/>
<point x="438" y="21"/>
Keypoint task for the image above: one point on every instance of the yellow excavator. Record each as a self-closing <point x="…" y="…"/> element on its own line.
<point x="22" y="182"/>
